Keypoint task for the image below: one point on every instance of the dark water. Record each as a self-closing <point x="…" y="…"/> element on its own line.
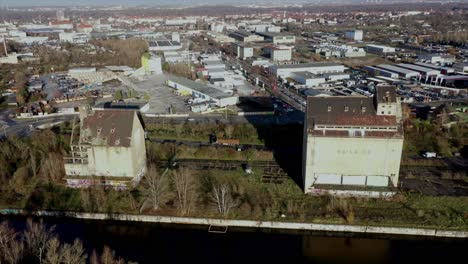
<point x="155" y="243"/>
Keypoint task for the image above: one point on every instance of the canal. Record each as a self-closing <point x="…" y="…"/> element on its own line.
<point x="157" y="243"/>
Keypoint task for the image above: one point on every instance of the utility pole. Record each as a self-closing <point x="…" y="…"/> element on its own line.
<point x="5" y="46"/>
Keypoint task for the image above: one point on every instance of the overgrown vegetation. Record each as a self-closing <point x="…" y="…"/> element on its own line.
<point x="32" y="173"/>
<point x="430" y="135"/>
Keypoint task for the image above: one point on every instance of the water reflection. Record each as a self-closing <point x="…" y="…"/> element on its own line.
<point x="151" y="243"/>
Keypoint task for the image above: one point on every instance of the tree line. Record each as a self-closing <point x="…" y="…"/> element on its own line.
<point x="39" y="243"/>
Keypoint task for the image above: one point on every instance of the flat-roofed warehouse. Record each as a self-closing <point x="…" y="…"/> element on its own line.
<point x="443" y="70"/>
<point x="352" y="141"/>
<point x="277" y="38"/>
<point x="188" y="87"/>
<point x="422" y="70"/>
<point x="379" y="72"/>
<point x="287" y="70"/>
<point x="402" y="72"/>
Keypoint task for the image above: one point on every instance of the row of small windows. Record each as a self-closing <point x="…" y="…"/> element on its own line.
<point x="353" y="127"/>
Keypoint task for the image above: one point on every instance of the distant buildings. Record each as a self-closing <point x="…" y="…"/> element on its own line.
<point x="245" y="36"/>
<point x="315" y="68"/>
<point x="151" y="63"/>
<point x="241" y="50"/>
<point x="352" y="142"/>
<point x="443" y="59"/>
<point x="164" y="45"/>
<point x="278" y="53"/>
<point x="379" y="49"/>
<point x="76" y="38"/>
<point x="263" y="28"/>
<point x="356" y="35"/>
<point x="110" y="151"/>
<point x="342" y="51"/>
<point x="219" y="37"/>
<point x="277" y="38"/>
<point x="202" y="91"/>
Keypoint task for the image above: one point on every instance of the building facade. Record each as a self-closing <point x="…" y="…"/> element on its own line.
<point x="279" y="53"/>
<point x="352" y="141"/>
<point x="111" y="150"/>
<point x="356" y="35"/>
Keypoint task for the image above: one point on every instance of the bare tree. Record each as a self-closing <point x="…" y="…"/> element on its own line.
<point x="221" y="196"/>
<point x="155" y="188"/>
<point x="186" y="190"/>
<point x="74" y="253"/>
<point x="53" y="252"/>
<point x="11" y="249"/>
<point x="36" y="237"/>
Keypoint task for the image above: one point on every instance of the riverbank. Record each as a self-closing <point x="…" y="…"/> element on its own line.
<point x="224" y="224"/>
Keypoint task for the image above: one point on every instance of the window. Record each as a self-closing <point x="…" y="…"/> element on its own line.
<point x="346" y="108"/>
<point x="383" y="112"/>
<point x="329" y="109"/>
<point x="389" y="112"/>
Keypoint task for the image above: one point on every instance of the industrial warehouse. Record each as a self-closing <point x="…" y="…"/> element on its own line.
<point x="204" y="92"/>
<point x="352" y="141"/>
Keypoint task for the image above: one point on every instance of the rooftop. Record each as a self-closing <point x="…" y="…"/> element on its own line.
<point x="201" y="88"/>
<point x="111" y="128"/>
<point x="307" y="65"/>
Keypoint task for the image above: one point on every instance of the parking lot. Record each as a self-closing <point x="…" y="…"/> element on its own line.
<point x="162" y="97"/>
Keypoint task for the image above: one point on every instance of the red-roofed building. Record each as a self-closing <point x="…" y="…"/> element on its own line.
<point x="84" y="28"/>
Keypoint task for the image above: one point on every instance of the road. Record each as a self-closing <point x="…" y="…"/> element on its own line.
<point x="277" y="89"/>
<point x="21" y="128"/>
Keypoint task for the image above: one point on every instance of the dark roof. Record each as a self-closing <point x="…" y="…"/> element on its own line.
<point x="329" y="110"/>
<point x="108" y="128"/>
<point x="386" y="94"/>
<point x="121" y="105"/>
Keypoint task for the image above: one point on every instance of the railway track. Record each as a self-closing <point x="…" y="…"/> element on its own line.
<point x="272" y="172"/>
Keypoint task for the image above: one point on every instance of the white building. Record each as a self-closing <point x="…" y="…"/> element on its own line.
<point x="308" y="79"/>
<point x="278" y="53"/>
<point x="151" y="63"/>
<point x="30" y="40"/>
<point x="199" y="90"/>
<point x="342" y="51"/>
<point x="242" y="51"/>
<point x="315" y="68"/>
<point x="175" y="36"/>
<point x="180" y="22"/>
<point x="76" y="38"/>
<point x="219" y="38"/>
<point x="352" y="142"/>
<point x="244" y="36"/>
<point x="111" y="150"/>
<point x="277" y="38"/>
<point x="461" y="67"/>
<point x="356" y="35"/>
<point x="263" y="28"/>
<point x="11" y="58"/>
<point x="379" y="49"/>
<point x="443" y="59"/>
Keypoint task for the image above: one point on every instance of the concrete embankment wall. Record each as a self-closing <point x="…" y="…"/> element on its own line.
<point x="427" y="232"/>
